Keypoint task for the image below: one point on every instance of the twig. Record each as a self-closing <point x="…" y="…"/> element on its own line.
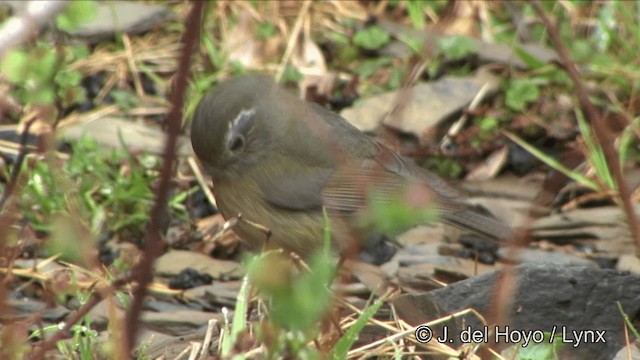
<point x="203" y="183"/>
<point x="135" y="74"/>
<point x="462" y="121"/>
<point x="297" y="27"/>
<point x="507" y="284"/>
<point x="153" y="242"/>
<point x="96" y="297"/>
<point x="24" y="149"/>
<point x="206" y="343"/>
<point x="604" y="136"/>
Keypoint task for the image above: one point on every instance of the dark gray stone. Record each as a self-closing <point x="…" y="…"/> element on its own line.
<point x="567" y="297"/>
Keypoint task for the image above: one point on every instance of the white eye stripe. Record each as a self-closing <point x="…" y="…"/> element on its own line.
<point x="243" y="115"/>
<point x="240" y="124"/>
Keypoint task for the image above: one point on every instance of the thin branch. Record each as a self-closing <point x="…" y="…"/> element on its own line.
<point x="154" y="246"/>
<point x="40" y="349"/>
<point x="24" y="149"/>
<point x="293" y="39"/>
<point x="604" y="136"/>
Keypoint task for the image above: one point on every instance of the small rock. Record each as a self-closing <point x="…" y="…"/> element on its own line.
<point x="427" y="104"/>
<point x="568" y="297"/>
<point x="629" y="352"/>
<point x="174" y="262"/>
<point x="177" y="323"/>
<point x="420" y="254"/>
<point x="25" y="307"/>
<point x="220" y="293"/>
<point x="162" y="346"/>
<point x="189" y="278"/>
<point x="99" y="315"/>
<point x="117" y="133"/>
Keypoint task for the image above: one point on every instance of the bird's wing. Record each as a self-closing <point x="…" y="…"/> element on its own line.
<point x="452" y="206"/>
<point x="355" y="165"/>
<point x="314" y="160"/>
<point x="296" y="192"/>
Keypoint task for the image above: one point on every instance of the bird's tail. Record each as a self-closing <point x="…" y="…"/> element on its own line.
<point x="483" y="225"/>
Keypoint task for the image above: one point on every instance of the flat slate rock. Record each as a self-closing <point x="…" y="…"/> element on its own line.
<point x="604" y="228"/>
<point x="573" y="298"/>
<point x="161" y="346"/>
<point x="219" y="293"/>
<point x="605" y="216"/>
<point x="129" y="17"/>
<point x="487" y="52"/>
<point x="111" y="17"/>
<point x="422" y="107"/>
<point x="173" y="262"/>
<point x="24" y="308"/>
<point x="179" y="322"/>
<point x="118" y="133"/>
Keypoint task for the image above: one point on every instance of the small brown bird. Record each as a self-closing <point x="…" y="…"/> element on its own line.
<point x="278" y="160"/>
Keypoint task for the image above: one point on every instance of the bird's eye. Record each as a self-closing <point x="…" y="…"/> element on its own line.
<point x="237" y="144"/>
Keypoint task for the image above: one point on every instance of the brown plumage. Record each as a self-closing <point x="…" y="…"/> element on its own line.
<point x="278" y="160"/>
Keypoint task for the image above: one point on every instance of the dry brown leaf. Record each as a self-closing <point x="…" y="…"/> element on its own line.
<point x="490" y="167"/>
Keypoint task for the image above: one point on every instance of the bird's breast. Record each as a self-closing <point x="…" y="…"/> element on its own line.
<point x="298" y="231"/>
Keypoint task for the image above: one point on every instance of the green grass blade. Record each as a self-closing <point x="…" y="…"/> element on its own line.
<point x="553" y="163"/>
<point x="595" y="154"/>
<point x="349" y="338"/>
<point x="238" y="323"/>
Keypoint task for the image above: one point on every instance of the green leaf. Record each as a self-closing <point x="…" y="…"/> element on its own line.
<point x="79" y="52"/>
<point x="238" y="323"/>
<point x="628" y="321"/>
<point x="391" y="216"/>
<point x="70" y="238"/>
<point x="415" y="44"/>
<point x="351" y="335"/>
<point x="627" y="143"/>
<point x="520" y="93"/>
<point x="396" y="77"/>
<point x="606" y="29"/>
<point x="45" y="67"/>
<point x="14" y="65"/>
<point x="414" y="9"/>
<point x="68" y="78"/>
<point x="456" y="47"/>
<point x="291" y="74"/>
<point x="488" y="123"/>
<point x="595" y="154"/>
<point x="371" y="38"/>
<point x="265" y="30"/>
<point x="298" y="301"/>
<point x="443" y="166"/>
<point x="369" y="67"/>
<point x="124" y="99"/>
<point x="338" y="38"/>
<point x="553" y="163"/>
<point x="215" y="56"/>
<point x="547" y="349"/>
<point x="530" y="60"/>
<point x="43" y="96"/>
<point x="76" y="13"/>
